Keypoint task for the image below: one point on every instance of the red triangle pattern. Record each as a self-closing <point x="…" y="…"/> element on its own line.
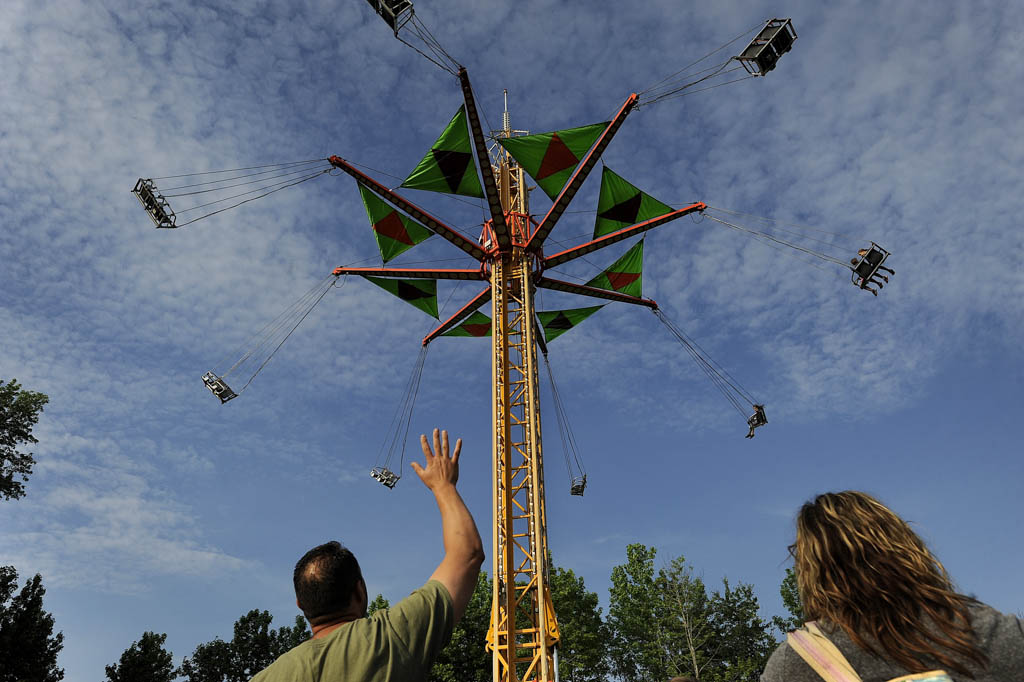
<point x="478" y="329"/>
<point x="391" y="226"/>
<point x="621" y="280"/>
<point x="557" y="158"/>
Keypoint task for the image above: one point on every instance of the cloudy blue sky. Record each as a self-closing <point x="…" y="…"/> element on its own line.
<point x="153" y="507"/>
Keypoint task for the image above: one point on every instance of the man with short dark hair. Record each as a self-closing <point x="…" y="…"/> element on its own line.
<point x="399" y="643"/>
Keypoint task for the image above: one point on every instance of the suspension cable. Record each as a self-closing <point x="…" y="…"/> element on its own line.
<point x="283" y="174"/>
<point x="267" y="336"/>
<point x="675" y="84"/>
<point x="440" y="57"/>
<point x="719" y="376"/>
<point x="791" y="245"/>
<point x="294" y="327"/>
<point x="398" y="432"/>
<point x="843" y="235"/>
<point x="235" y="170"/>
<point x="245" y="201"/>
<point x="694" y="63"/>
<point x="565" y="432"/>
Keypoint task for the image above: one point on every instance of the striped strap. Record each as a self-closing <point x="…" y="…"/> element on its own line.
<point x="821" y="654"/>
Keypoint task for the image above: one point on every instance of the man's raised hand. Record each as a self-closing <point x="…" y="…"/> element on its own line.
<point x="440" y="469"/>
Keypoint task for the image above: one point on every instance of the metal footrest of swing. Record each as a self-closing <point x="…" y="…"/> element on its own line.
<point x="386" y="476"/>
<point x="578" y="485"/>
<point x="156" y="205"/>
<point x="218" y="387"/>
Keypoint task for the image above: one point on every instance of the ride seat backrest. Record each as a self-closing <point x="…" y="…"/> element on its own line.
<point x="865" y="269"/>
<point x="782" y="41"/>
<point x="875" y="257"/>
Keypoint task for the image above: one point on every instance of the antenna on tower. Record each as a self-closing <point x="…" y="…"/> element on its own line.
<point x="505" y="125"/>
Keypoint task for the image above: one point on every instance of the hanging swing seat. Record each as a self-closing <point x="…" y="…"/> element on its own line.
<point x="756" y="420"/>
<point x="395" y="13"/>
<point x="218" y="387"/>
<point x="386" y="476"/>
<point x="578" y="485"/>
<point x="764" y="51"/>
<point x="156" y="205"/>
<point x="867" y="265"/>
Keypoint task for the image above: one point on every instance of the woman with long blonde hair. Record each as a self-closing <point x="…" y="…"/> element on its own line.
<point x="886" y="603"/>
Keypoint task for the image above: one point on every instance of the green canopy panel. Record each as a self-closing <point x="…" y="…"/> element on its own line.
<point x="421" y="293"/>
<point x="449" y="167"/>
<point x="476" y="324"/>
<point x="621" y="205"/>
<point x="557" y="322"/>
<point x="624" y="275"/>
<point x="551" y="158"/>
<point x="394" y="232"/>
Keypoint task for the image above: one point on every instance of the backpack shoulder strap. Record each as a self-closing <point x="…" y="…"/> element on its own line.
<point x="931" y="676"/>
<point x="821" y="654"/>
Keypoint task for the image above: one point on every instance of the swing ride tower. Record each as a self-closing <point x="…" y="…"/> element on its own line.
<point x="519" y="534"/>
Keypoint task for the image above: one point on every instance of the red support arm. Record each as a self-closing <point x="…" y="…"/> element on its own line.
<point x="576" y="181"/>
<point x="449" y="233"/>
<point x="624" y="233"/>
<point x="464" y="312"/>
<point x="583" y="290"/>
<point x="412" y="273"/>
<point x="483" y="160"/>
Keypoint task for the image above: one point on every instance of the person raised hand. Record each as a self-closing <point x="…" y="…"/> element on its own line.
<point x="440" y="469"/>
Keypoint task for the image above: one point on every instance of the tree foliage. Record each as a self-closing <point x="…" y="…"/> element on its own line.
<point x="582" y="656"/>
<point x="686" y="620"/>
<point x="379" y="603"/>
<point x="582" y="651"/>
<point x="666" y="624"/>
<point x="633" y="616"/>
<point x="791" y="600"/>
<point x="466" y="658"/>
<point x="744" y="641"/>
<point x="253" y="647"/>
<point x="144" y="661"/>
<point x="28" y="647"/>
<point x="19" y="412"/>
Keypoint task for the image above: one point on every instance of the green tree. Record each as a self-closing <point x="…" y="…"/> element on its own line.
<point x="466" y="658"/>
<point x="637" y="641"/>
<point x="583" y="649"/>
<point x="686" y="617"/>
<point x="744" y="640"/>
<point x="19" y="412"/>
<point x="28" y="647"/>
<point x="379" y="603"/>
<point x="144" y="661"/>
<point x="253" y="647"/>
<point x="666" y="624"/>
<point x="791" y="600"/>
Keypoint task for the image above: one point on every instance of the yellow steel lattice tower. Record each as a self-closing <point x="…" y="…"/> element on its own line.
<point x="523" y="627"/>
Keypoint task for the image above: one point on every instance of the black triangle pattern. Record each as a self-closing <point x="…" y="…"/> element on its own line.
<point x="624" y="211"/>
<point x="410" y="292"/>
<point x="453" y="166"/>
<point x="560" y="321"/>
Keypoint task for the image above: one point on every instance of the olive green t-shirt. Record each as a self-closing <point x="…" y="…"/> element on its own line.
<point x="399" y="643"/>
